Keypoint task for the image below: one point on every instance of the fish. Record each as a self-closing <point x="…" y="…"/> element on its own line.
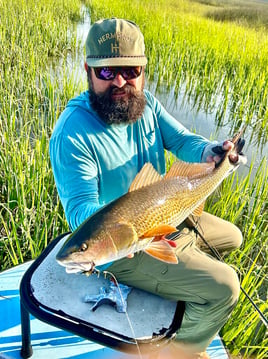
<point x="141" y="219"/>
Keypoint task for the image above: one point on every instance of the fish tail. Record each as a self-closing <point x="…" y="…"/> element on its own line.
<point x="238" y="141"/>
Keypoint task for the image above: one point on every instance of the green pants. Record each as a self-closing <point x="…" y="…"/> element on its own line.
<point x="209" y="287"/>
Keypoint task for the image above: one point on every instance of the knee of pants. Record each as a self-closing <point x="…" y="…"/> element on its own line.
<point x="232" y="237"/>
<point x="230" y="286"/>
<point x="237" y="237"/>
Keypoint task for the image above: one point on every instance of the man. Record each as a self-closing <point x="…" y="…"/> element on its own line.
<point x="102" y="140"/>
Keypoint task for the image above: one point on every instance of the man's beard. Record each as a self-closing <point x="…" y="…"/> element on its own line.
<point x="127" y="109"/>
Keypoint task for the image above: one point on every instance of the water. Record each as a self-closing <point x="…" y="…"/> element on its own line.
<point x="205" y="124"/>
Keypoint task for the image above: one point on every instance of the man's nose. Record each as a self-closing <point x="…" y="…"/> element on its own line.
<point x="119" y="80"/>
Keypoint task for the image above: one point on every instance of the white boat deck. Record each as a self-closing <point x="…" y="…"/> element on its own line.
<point x="48" y="341"/>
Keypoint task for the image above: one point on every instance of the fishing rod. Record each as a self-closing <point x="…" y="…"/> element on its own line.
<point x="192" y="225"/>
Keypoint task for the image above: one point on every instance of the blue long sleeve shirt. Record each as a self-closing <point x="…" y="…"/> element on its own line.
<point x="94" y="163"/>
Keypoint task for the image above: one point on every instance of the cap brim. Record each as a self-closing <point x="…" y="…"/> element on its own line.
<point x="117" y="61"/>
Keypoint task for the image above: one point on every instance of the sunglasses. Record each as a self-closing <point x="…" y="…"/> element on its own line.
<point x="109" y="73"/>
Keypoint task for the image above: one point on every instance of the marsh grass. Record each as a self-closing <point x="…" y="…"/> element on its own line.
<point x="242" y="12"/>
<point x="245" y="202"/>
<point x="31" y="34"/>
<point x="247" y="16"/>
<point x="217" y="65"/>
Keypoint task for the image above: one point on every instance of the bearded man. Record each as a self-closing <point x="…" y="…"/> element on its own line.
<point x="102" y="140"/>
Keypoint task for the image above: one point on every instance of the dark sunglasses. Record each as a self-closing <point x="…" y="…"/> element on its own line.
<point x="109" y="73"/>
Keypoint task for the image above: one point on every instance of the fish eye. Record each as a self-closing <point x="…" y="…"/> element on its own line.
<point x="83" y="247"/>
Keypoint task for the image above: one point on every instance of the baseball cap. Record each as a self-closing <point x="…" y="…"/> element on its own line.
<point x="115" y="42"/>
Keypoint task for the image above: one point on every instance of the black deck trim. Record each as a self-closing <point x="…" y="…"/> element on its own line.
<point x="77" y="326"/>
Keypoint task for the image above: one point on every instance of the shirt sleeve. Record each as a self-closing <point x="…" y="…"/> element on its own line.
<point x="76" y="178"/>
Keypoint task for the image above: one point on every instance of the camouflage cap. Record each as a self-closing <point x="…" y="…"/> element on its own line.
<point x="115" y="42"/>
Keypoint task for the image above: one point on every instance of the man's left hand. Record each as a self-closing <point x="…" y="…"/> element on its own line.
<point x="216" y="151"/>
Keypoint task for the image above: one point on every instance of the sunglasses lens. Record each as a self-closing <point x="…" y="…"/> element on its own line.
<point x="104" y="73"/>
<point x="109" y="73"/>
<point x="130" y="73"/>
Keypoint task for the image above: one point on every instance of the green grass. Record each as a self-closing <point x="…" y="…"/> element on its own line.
<point x="218" y="64"/>
<point x="244" y="202"/>
<point x="242" y="12"/>
<point x="31" y="35"/>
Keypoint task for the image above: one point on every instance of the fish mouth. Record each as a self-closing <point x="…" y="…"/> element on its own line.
<point x="73" y="267"/>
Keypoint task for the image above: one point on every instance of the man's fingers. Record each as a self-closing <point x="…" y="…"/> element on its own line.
<point x="234" y="157"/>
<point x="227" y="145"/>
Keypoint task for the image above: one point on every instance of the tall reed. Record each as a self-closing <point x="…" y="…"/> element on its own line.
<point x="31" y="34"/>
<point x="244" y="202"/>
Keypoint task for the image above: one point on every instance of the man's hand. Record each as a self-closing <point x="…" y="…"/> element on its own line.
<point x="216" y="151"/>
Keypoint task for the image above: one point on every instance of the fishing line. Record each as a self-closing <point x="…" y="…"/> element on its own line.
<point x="191" y="224"/>
<point x="127" y="316"/>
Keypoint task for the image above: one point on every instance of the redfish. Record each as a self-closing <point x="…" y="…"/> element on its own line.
<point x="140" y="219"/>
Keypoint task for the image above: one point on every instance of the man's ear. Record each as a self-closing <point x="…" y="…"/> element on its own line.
<point x="86" y="67"/>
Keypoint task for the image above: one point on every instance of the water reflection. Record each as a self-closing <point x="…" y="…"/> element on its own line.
<point x="205" y="123"/>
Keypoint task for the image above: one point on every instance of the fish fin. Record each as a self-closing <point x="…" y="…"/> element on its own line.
<point x="163" y="238"/>
<point x="160" y="230"/>
<point x="199" y="210"/>
<point x="163" y="251"/>
<point x="145" y="177"/>
<point x="170" y="242"/>
<point x="185" y="169"/>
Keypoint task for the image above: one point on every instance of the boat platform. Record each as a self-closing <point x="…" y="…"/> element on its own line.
<point x="48" y="285"/>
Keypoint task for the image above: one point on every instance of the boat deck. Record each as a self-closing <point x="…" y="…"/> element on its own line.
<point x="49" y="341"/>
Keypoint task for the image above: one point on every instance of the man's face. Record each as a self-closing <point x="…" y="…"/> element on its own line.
<point x="117" y="100"/>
